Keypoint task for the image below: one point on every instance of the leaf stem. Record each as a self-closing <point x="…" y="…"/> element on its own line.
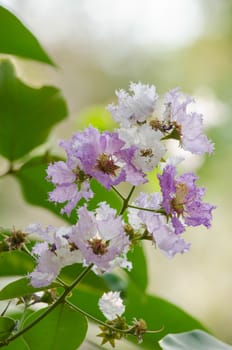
<point x="6" y="308"/>
<point x="118" y="193"/>
<point x="126" y="201"/>
<point x="158" y="211"/>
<point x="49" y="309"/>
<point x="124" y="331"/>
<point x="76" y="308"/>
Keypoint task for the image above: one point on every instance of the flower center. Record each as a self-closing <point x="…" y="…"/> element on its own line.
<point x="147" y="152"/>
<point x="179" y="201"/>
<point x="106" y="164"/>
<point x="80" y="175"/>
<point x="98" y="245"/>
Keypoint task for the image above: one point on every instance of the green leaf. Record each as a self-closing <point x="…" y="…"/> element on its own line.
<point x="138" y="274"/>
<point x="35" y="187"/>
<point x="15" y="263"/>
<point x="195" y="340"/>
<point x="87" y="299"/>
<point x="101" y="194"/>
<point x="20" y="288"/>
<point x="62" y="329"/>
<point x="158" y="313"/>
<point x="7" y="325"/>
<point x="17" y="40"/>
<point x="17" y="344"/>
<point x="115" y="283"/>
<point x="91" y="280"/>
<point x="27" y="114"/>
<point x="86" y="294"/>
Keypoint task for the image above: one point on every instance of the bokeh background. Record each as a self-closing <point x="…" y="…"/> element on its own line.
<point x="102" y="45"/>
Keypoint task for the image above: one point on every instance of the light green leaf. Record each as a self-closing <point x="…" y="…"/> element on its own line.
<point x="7" y="325"/>
<point x="62" y="329"/>
<point x="15" y="263"/>
<point x="20" y="288"/>
<point x="195" y="340"/>
<point x="101" y="194"/>
<point x="91" y="281"/>
<point x="17" y="40"/>
<point x="17" y="344"/>
<point x="27" y="114"/>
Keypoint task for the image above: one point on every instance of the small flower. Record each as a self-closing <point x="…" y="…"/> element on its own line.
<point x="52" y="254"/>
<point x="111" y="305"/>
<point x="135" y="108"/>
<point x="154" y="225"/>
<point x="100" y="237"/>
<point x="179" y="124"/>
<point x="71" y="184"/>
<point x="148" y="143"/>
<point x="188" y="125"/>
<point x="182" y="200"/>
<point x="103" y="157"/>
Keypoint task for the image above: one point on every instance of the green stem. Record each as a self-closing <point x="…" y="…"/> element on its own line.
<point x="124" y="331"/>
<point x="118" y="193"/>
<point x="49" y="309"/>
<point x="6" y="308"/>
<point x="76" y="308"/>
<point x="126" y="201"/>
<point x="158" y="211"/>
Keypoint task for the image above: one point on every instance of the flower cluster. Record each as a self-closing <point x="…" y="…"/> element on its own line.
<point x="102" y="238"/>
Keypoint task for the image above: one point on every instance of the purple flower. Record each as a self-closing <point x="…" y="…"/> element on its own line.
<point x="155" y="225"/>
<point x="102" y="157"/>
<point x="182" y="200"/>
<point x="188" y="126"/>
<point x="52" y="254"/>
<point x="71" y="184"/>
<point x="100" y="237"/>
<point x="135" y="108"/>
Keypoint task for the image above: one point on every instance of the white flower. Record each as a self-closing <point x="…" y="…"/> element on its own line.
<point x="111" y="305"/>
<point x="135" y="108"/>
<point x="149" y="147"/>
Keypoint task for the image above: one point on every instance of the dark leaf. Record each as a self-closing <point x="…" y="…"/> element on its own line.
<point x="15" y="263"/>
<point x="17" y="40"/>
<point x="7" y="325"/>
<point x="158" y="313"/>
<point x="27" y="114"/>
<point x="62" y="329"/>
